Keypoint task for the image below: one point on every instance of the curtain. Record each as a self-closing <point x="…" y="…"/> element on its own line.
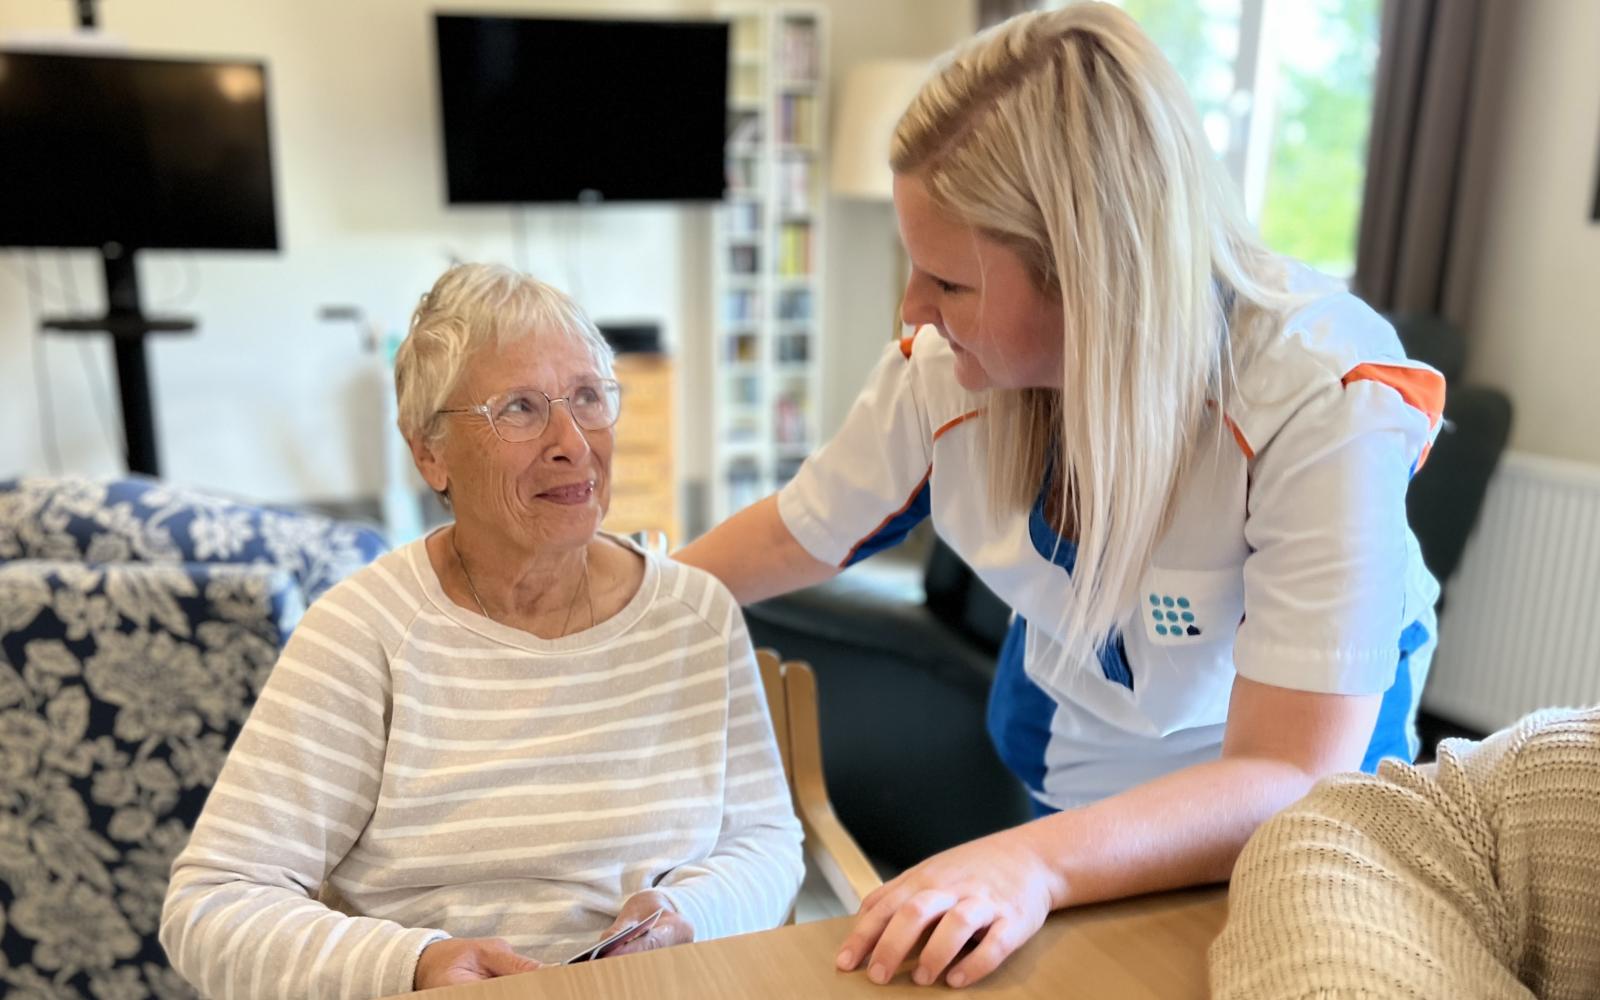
<point x="1433" y="141"/>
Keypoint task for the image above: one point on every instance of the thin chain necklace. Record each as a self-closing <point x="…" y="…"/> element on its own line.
<point x="583" y="587"/>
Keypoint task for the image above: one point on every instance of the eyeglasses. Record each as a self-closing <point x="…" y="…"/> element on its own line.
<point x="522" y="414"/>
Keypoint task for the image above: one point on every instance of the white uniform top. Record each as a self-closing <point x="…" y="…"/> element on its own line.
<point x="1288" y="559"/>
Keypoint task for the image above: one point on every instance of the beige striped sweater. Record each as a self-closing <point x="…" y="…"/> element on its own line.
<point x="1477" y="877"/>
<point x="445" y="775"/>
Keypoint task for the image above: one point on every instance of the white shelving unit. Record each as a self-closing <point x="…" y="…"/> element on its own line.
<point x="767" y="243"/>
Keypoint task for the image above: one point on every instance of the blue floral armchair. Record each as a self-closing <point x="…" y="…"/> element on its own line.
<point x="138" y="622"/>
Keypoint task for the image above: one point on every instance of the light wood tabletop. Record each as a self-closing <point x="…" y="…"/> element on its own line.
<point x="1152" y="947"/>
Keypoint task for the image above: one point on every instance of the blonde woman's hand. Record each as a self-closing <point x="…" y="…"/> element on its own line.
<point x="671" y="927"/>
<point x="467" y="960"/>
<point x="993" y="893"/>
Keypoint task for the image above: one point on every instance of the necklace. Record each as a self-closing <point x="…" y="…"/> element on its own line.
<point x="582" y="587"/>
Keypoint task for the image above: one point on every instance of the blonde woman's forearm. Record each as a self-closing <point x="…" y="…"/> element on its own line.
<point x="755" y="556"/>
<point x="1188" y="827"/>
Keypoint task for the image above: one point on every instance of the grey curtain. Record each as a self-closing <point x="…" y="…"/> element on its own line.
<point x="994" y="11"/>
<point x="1434" y="133"/>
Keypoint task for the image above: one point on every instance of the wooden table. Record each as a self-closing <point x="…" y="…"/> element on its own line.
<point x="1154" y="947"/>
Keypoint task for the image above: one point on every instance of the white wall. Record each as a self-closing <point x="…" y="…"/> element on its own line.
<point x="267" y="401"/>
<point x="1536" y="315"/>
<point x="862" y="283"/>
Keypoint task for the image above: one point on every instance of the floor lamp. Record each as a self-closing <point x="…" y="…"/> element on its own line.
<point x="875" y="95"/>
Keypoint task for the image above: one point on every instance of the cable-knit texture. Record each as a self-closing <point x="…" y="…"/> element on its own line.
<point x="1475" y="877"/>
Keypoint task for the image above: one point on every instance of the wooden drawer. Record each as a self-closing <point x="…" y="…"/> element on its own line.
<point x="639" y="469"/>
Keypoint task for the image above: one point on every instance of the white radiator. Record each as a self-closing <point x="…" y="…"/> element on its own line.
<point x="1521" y="623"/>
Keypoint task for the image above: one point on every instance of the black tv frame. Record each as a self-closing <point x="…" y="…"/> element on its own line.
<point x="124" y="320"/>
<point x="456" y="198"/>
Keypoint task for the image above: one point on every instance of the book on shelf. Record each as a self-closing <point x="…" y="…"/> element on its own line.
<point x="743" y="175"/>
<point x="744" y="347"/>
<point x="794" y="348"/>
<point x="744" y="84"/>
<point x="743" y="219"/>
<point x="794" y="188"/>
<point x="789" y="420"/>
<point x="744" y="127"/>
<point x="797" y="49"/>
<point x="787" y="469"/>
<point x="744" y="482"/>
<point x="797" y="119"/>
<point x="794" y="304"/>
<point x="744" y="259"/>
<point x="745" y="390"/>
<point x="741" y="306"/>
<point x="794" y="249"/>
<point x="749" y="36"/>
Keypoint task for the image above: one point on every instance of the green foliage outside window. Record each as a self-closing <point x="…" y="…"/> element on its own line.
<point x="1326" y="55"/>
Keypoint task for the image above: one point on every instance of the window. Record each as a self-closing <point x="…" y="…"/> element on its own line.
<point x="1284" y="91"/>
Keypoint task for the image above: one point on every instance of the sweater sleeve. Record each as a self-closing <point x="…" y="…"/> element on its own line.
<point x="242" y="917"/>
<point x="749" y="880"/>
<point x="1380" y="886"/>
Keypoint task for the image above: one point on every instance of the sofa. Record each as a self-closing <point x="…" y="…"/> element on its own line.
<point x="138" y="622"/>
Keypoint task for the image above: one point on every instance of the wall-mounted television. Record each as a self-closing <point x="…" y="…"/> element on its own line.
<point x="538" y="109"/>
<point x="146" y="153"/>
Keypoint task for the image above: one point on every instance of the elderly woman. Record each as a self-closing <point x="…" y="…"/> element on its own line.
<point x="493" y="745"/>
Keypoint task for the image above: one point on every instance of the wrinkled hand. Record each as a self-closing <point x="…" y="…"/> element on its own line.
<point x="670" y="929"/>
<point x="467" y="960"/>
<point x="993" y="893"/>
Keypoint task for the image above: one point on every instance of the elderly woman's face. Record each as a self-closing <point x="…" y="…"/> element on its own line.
<point x="551" y="491"/>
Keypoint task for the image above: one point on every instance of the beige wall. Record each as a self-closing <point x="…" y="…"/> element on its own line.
<point x="268" y="402"/>
<point x="1536" y="316"/>
<point x="862" y="240"/>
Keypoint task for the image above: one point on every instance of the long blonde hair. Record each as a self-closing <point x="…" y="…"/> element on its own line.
<point x="1066" y="136"/>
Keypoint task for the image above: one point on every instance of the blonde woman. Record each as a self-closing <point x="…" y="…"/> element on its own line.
<point x="1181" y="460"/>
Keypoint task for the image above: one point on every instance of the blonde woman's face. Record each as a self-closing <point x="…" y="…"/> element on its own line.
<point x="979" y="294"/>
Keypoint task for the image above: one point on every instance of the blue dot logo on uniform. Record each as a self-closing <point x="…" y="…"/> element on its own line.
<point x="1172" y="617"/>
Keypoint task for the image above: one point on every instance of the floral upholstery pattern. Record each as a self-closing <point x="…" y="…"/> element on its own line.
<point x="137" y="625"/>
<point x="142" y="520"/>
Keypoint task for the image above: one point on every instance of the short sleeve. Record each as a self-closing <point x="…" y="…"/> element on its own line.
<point x="1326" y="581"/>
<point x="866" y="488"/>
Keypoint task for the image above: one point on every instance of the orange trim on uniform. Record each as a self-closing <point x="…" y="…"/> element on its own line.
<point x="1239" y="439"/>
<point x="1421" y="388"/>
<point x="958" y="421"/>
<point x="869" y="536"/>
<point x="918" y="489"/>
<point x="905" y="344"/>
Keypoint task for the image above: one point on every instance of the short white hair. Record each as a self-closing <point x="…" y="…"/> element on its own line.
<point x="470" y="307"/>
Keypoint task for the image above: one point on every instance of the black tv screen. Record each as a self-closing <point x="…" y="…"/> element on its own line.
<point x="550" y="109"/>
<point x="157" y="153"/>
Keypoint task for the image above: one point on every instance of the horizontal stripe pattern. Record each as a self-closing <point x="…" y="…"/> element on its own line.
<point x="413" y="771"/>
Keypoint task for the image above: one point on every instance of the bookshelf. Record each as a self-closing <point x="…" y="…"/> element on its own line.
<point x="767" y="242"/>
